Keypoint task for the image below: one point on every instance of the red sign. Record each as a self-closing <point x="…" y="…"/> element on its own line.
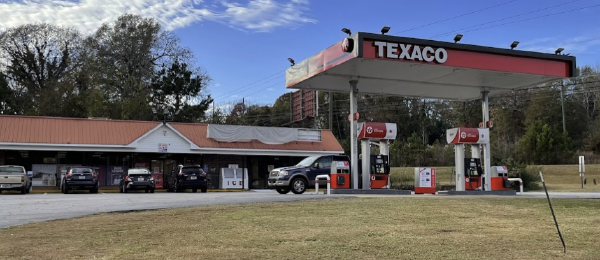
<point x="376" y="130"/>
<point x="158" y="181"/>
<point x="467" y="135"/>
<point x="403" y="52"/>
<point x="432" y="177"/>
<point x="373" y="130"/>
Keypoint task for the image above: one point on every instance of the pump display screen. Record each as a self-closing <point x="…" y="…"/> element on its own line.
<point x="379" y="161"/>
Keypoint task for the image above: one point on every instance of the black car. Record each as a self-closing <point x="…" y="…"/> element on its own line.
<point x="79" y="178"/>
<point x="187" y="177"/>
<point x="137" y="179"/>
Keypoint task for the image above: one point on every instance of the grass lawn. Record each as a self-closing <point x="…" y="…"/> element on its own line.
<point x="428" y="227"/>
<point x="558" y="177"/>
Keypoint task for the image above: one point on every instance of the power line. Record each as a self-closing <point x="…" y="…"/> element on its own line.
<point x="253" y="85"/>
<point x="528" y="19"/>
<point x="458" y="16"/>
<point x="249" y="85"/>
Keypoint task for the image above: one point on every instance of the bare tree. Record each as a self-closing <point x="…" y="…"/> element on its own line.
<point x="37" y="59"/>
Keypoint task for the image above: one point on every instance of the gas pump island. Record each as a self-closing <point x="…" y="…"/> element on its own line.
<point x="470" y="175"/>
<point x="373" y="169"/>
<point x="391" y="65"/>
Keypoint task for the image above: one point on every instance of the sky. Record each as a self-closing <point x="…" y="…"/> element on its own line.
<point x="243" y="45"/>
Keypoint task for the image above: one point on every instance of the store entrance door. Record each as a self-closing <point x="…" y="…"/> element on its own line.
<point x="160" y="169"/>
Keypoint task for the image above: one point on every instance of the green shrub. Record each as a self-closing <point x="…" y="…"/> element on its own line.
<point x="527" y="174"/>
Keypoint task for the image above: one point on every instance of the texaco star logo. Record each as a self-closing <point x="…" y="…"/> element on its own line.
<point x="345" y="45"/>
<point x="463" y="135"/>
<point x="369" y="130"/>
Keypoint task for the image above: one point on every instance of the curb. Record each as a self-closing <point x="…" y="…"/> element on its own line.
<point x="141" y="191"/>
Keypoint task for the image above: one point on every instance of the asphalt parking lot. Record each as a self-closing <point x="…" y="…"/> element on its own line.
<point x="17" y="209"/>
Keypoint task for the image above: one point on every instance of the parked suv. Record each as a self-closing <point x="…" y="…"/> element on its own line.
<point x="187" y="177"/>
<point x="13" y="177"/>
<point x="79" y="178"/>
<point x="301" y="176"/>
<point x="137" y="179"/>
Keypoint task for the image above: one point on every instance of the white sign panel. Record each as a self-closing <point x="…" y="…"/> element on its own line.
<point x="234" y="178"/>
<point x="425" y="175"/>
<point x="342" y="164"/>
<point x="163" y="148"/>
<point x="581" y="164"/>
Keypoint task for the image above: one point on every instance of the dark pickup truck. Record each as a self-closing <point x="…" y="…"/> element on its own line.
<point x="301" y="176"/>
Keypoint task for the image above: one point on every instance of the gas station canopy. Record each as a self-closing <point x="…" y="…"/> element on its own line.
<point x="393" y="65"/>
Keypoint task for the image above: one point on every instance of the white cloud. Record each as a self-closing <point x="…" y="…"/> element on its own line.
<point x="270" y="89"/>
<point x="88" y="15"/>
<point x="264" y="15"/>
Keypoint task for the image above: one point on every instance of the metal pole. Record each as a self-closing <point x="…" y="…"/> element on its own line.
<point x="486" y="151"/>
<point x="562" y="104"/>
<point x="366" y="164"/>
<point x="353" y="134"/>
<point x="553" y="215"/>
<point x="459" y="162"/>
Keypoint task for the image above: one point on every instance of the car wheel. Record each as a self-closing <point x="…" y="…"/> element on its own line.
<point x="203" y="189"/>
<point x="65" y="189"/>
<point x="23" y="190"/>
<point x="283" y="191"/>
<point x="120" y="189"/>
<point x="194" y="190"/>
<point x="94" y="190"/>
<point x="152" y="191"/>
<point x="298" y="186"/>
<point x="146" y="191"/>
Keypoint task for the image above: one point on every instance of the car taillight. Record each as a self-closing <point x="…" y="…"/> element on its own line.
<point x="127" y="178"/>
<point x="22" y="178"/>
<point x="94" y="175"/>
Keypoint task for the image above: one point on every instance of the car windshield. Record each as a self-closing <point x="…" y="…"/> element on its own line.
<point x="11" y="170"/>
<point x="82" y="170"/>
<point x="192" y="170"/>
<point x="138" y="171"/>
<point x="308" y="161"/>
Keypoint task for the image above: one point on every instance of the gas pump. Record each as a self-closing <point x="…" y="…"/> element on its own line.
<point x="340" y="175"/>
<point x="500" y="178"/>
<point x="380" y="171"/>
<point x="473" y="174"/>
<point x="469" y="169"/>
<point x="376" y="165"/>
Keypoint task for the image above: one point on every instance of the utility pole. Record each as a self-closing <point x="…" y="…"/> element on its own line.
<point x="562" y="104"/>
<point x="330" y="111"/>
<point x="291" y="107"/>
<point x="316" y="115"/>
